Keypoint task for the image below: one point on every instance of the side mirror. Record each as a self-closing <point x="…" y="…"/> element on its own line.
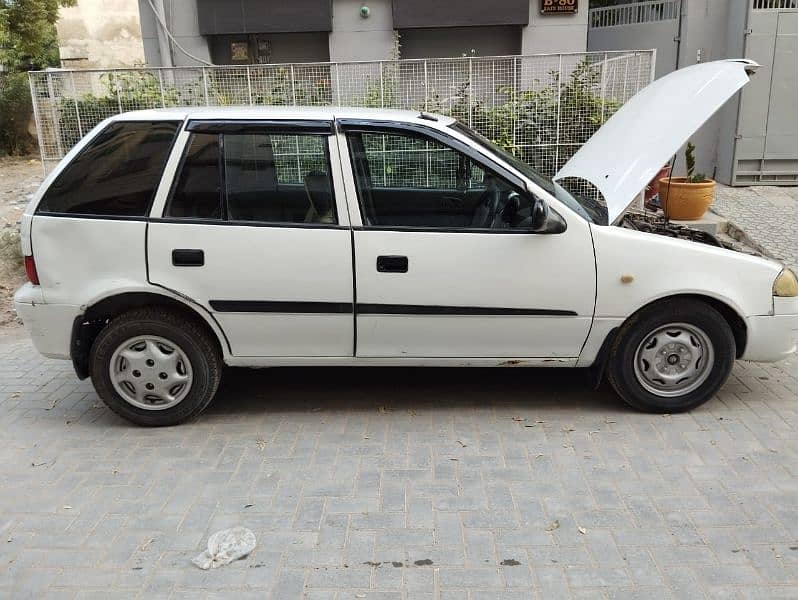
<point x="531" y="213"/>
<point x="544" y="220"/>
<point x="539" y="215"/>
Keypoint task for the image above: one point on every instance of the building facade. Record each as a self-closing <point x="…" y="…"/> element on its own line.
<point x="100" y="34"/>
<point x="279" y="31"/>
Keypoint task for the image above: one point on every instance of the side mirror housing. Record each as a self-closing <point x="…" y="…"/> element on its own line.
<point x="543" y="219"/>
<point x="539" y="214"/>
<point x="531" y="213"/>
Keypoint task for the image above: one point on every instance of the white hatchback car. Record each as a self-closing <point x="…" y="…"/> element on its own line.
<point x="170" y="242"/>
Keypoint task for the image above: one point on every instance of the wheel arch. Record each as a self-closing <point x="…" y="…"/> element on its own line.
<point x="733" y="318"/>
<point x="730" y="314"/>
<point x="98" y="314"/>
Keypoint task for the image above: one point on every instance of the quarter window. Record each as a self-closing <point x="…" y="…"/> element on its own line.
<point x="197" y="193"/>
<point x="407" y="180"/>
<point x="270" y="178"/>
<point x="116" y="174"/>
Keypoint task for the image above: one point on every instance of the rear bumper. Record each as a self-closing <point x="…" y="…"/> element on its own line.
<point x="49" y="325"/>
<point x="773" y="337"/>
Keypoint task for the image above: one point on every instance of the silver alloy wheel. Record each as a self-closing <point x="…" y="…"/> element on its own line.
<point x="674" y="360"/>
<point x="151" y="372"/>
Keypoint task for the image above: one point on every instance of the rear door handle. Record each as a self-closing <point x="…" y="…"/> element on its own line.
<point x="392" y="264"/>
<point x="185" y="257"/>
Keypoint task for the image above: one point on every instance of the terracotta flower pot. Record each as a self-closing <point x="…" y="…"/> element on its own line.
<point x="684" y="201"/>
<point x="652" y="189"/>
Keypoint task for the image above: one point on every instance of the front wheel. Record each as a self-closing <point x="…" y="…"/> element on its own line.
<point x="672" y="356"/>
<point x="155" y="367"/>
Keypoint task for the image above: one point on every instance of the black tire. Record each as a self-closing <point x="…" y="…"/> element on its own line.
<point x="194" y="340"/>
<point x="621" y="366"/>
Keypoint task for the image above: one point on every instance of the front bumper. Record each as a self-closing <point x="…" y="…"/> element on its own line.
<point x="773" y="337"/>
<point x="49" y="325"/>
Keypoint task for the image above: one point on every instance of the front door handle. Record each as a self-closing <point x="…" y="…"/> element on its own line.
<point x="392" y="264"/>
<point x="185" y="257"/>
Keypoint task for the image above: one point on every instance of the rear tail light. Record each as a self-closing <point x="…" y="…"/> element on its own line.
<point x="30" y="269"/>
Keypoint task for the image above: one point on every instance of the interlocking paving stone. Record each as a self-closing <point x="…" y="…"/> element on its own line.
<point x="767" y="214"/>
<point x="403" y="484"/>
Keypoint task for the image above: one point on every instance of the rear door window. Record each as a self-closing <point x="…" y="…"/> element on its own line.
<point x="261" y="176"/>
<point x="116" y="174"/>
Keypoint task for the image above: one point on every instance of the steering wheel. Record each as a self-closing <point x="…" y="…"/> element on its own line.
<point x="487" y="207"/>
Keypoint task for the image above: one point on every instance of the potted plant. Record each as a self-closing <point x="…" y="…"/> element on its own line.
<point x="686" y="198"/>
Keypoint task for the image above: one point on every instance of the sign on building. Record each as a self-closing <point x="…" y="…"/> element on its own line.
<point x="559" y="7"/>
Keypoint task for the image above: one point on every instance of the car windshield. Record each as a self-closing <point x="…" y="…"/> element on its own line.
<point x="586" y="207"/>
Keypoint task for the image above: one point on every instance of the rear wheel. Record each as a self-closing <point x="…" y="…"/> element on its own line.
<point x="672" y="356"/>
<point x="155" y="367"/>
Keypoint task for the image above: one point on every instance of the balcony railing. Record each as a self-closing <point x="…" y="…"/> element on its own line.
<point x="635" y="13"/>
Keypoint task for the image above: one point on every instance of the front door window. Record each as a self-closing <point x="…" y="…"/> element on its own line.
<point x="408" y="180"/>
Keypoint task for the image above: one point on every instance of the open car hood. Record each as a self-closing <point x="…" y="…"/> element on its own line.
<point x="628" y="151"/>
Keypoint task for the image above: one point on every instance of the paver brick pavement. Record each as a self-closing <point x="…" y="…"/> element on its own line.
<point x="400" y="484"/>
<point x="767" y="215"/>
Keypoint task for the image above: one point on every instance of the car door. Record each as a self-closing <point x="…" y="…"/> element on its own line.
<point x="252" y="230"/>
<point x="439" y="272"/>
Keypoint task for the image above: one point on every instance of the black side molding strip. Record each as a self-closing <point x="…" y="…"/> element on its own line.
<point x="266" y="306"/>
<point x="263" y="306"/>
<point x="424" y="309"/>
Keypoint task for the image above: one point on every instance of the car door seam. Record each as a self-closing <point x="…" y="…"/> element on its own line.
<point x="595" y="291"/>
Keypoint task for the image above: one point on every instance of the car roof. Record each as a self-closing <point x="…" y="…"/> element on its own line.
<point x="322" y="113"/>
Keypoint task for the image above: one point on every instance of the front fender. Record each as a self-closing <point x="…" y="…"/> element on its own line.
<point x="635" y="269"/>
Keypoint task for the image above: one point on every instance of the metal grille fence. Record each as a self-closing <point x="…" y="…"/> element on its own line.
<point x="541" y="107"/>
<point x="775" y="4"/>
<point x="634" y="13"/>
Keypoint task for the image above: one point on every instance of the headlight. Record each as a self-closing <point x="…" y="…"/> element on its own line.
<point x="786" y="285"/>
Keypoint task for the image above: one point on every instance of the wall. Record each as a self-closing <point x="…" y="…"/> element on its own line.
<point x="100" y="33"/>
<point x="181" y="15"/>
<point x="735" y="47"/>
<point x="284" y="47"/>
<point x="704" y="32"/>
<point x="354" y="38"/>
<point x="548" y="34"/>
<point x="659" y="35"/>
<point x="460" y="41"/>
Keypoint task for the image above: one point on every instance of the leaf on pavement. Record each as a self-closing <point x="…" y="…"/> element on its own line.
<point x="553" y="526"/>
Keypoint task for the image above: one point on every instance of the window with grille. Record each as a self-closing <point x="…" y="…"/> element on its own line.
<point x="775" y="4"/>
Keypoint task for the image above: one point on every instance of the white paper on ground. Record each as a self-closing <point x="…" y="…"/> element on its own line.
<point x="225" y="546"/>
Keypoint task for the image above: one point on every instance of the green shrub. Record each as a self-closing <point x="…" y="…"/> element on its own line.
<point x="542" y="126"/>
<point x="527" y="116"/>
<point x="10" y="252"/>
<point x="126" y="90"/>
<point x="15" y="113"/>
<point x="92" y="111"/>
